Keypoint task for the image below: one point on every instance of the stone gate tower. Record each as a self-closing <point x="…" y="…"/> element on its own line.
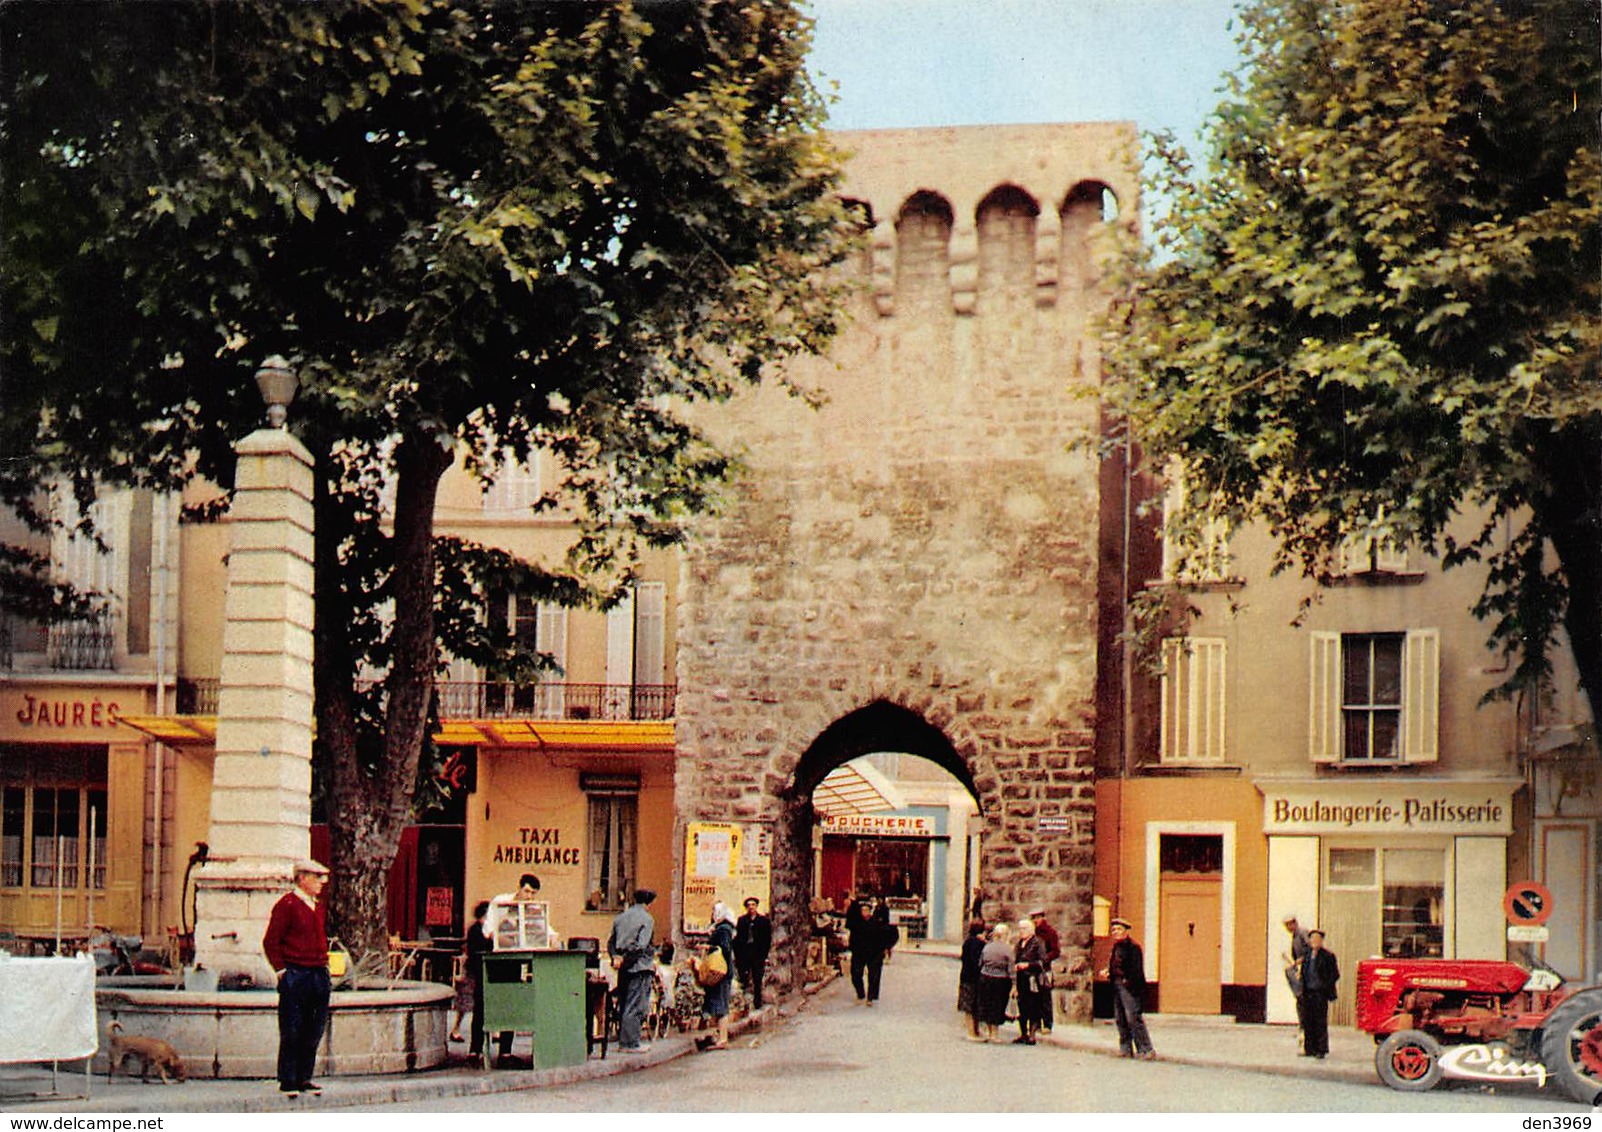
<point x="912" y="567"/>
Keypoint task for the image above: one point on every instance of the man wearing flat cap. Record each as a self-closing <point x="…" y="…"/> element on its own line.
<point x="1048" y="936"/>
<point x="1320" y="973"/>
<point x="296" y="944"/>
<point x="1126" y="971"/>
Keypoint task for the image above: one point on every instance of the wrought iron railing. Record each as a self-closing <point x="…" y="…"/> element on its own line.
<point x="482" y="699"/>
<point x="81" y="645"/>
<point x="195" y="697"/>
<point x="493" y="700"/>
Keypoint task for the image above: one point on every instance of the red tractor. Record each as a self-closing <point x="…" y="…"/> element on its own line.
<point x="1482" y="1020"/>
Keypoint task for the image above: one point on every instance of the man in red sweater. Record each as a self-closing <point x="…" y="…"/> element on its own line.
<point x="296" y="944"/>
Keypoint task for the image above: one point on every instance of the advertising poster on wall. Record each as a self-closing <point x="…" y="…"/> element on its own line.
<point x="722" y="861"/>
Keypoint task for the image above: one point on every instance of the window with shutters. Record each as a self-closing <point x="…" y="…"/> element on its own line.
<point x="1374" y="555"/>
<point x="1192" y="554"/>
<point x="1375" y="697"/>
<point x="1192" y="718"/>
<point x="636" y="669"/>
<point x="1371" y="697"/>
<point x="516" y="487"/>
<point x="538" y="627"/>
<point x="614" y="817"/>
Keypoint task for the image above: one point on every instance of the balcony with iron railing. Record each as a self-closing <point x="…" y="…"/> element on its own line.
<point x="72" y="646"/>
<point x="484" y="699"/>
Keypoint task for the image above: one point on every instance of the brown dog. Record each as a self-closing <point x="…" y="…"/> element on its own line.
<point x="151" y="1052"/>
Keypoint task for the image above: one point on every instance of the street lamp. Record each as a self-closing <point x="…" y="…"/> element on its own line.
<point x="278" y="383"/>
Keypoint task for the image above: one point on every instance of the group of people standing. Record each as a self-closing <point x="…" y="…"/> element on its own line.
<point x="742" y="944"/>
<point x="999" y="961"/>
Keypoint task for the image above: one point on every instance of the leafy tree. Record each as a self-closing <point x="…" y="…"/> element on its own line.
<point x="1378" y="308"/>
<point x="476" y="230"/>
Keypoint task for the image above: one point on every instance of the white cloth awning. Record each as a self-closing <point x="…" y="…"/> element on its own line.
<point x="856" y="788"/>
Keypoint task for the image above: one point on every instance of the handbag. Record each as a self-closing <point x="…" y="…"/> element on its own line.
<point x="1045" y="979"/>
<point x="712" y="968"/>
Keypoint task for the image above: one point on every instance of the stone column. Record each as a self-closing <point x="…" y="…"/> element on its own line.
<point x="261" y="785"/>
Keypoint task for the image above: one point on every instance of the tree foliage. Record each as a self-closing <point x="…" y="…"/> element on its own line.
<point x="478" y="230"/>
<point x="1377" y="309"/>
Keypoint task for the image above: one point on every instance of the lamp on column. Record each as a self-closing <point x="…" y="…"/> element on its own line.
<point x="278" y="383"/>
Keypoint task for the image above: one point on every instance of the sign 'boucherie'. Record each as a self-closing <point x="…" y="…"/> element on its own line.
<point x="878" y="825"/>
<point x="1436" y="807"/>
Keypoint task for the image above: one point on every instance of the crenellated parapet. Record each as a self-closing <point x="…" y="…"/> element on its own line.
<point x="971" y="221"/>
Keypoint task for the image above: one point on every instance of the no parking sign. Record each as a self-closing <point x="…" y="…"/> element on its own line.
<point x="1528" y="906"/>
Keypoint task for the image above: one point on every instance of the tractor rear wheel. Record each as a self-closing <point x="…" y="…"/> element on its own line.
<point x="1571" y="1045"/>
<point x="1409" y="1060"/>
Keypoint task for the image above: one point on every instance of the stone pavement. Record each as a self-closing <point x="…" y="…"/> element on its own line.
<point x="1186" y="1040"/>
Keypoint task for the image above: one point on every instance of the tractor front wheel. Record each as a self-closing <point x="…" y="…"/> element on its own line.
<point x="1409" y="1060"/>
<point x="1571" y="1045"/>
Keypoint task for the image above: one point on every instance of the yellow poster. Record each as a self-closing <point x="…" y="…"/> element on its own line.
<point x="721" y="862"/>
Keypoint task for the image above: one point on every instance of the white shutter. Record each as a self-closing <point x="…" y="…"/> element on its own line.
<point x="1170" y="747"/>
<point x="1390" y="558"/>
<point x="551" y="637"/>
<point x="1208" y="700"/>
<point x="1192" y="725"/>
<point x="1421" y="696"/>
<point x="1324" y="699"/>
<point x="649" y="625"/>
<point x="620" y="641"/>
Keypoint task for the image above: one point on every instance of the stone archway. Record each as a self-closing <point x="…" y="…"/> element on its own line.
<point x="880" y="726"/>
<point x="913" y="565"/>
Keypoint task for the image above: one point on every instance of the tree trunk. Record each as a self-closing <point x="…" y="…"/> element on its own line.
<point x="370" y="798"/>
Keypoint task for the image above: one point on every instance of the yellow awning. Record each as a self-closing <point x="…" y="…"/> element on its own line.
<point x="631" y="736"/>
<point x="175" y="730"/>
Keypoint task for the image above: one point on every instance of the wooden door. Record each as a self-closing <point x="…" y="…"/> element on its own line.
<point x="1190" y="937"/>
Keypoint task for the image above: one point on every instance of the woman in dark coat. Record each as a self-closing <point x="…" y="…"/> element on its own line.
<point x="968" y="979"/>
<point x="995" y="980"/>
<point x="1030" y="964"/>
<point x="715" y="1004"/>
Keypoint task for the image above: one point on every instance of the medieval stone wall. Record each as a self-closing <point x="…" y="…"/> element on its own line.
<point x="927" y="538"/>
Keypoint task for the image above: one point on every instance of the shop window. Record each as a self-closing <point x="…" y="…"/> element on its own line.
<point x="1412" y="913"/>
<point x="12" y="824"/>
<point x="53" y="818"/>
<point x="1192" y="701"/>
<point x="1352" y="868"/>
<point x="1375" y="697"/>
<point x="614" y="818"/>
<point x="892" y="868"/>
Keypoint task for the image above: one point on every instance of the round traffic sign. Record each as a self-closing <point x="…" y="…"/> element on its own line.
<point x="1527" y="903"/>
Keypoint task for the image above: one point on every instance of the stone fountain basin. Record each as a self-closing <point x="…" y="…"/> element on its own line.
<point x="398" y="1028"/>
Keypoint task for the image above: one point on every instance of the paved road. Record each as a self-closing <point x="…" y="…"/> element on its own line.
<point x="908" y="1054"/>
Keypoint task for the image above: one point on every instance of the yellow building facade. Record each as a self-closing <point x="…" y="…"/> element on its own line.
<point x="106" y="750"/>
